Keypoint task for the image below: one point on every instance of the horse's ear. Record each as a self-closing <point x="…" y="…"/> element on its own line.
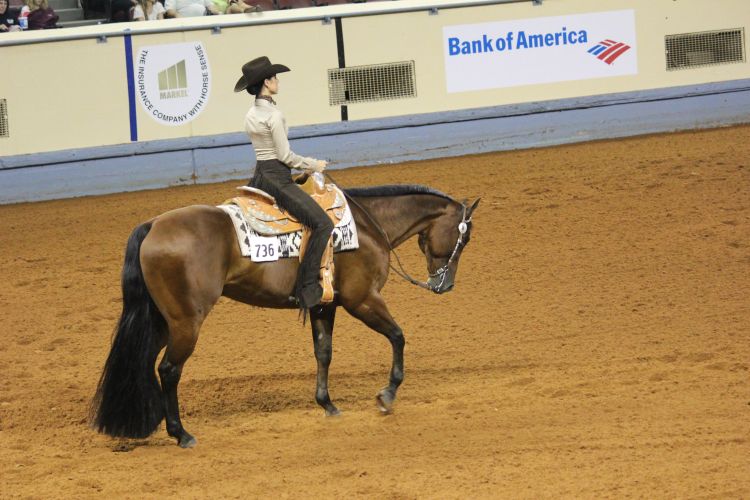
<point x="474" y="206"/>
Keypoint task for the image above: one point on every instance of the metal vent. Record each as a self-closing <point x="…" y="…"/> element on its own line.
<point x="377" y="82"/>
<point x="708" y="48"/>
<point x="4" y="132"/>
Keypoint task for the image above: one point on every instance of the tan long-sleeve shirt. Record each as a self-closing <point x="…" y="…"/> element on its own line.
<point x="266" y="126"/>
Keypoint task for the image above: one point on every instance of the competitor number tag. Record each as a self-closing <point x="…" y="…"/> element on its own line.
<point x="264" y="249"/>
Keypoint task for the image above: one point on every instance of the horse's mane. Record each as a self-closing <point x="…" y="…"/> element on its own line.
<point x="394" y="190"/>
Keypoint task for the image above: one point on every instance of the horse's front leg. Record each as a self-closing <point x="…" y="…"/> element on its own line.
<point x="374" y="313"/>
<point x="321" y="319"/>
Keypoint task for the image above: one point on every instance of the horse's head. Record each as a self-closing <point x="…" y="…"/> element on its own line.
<point x="442" y="243"/>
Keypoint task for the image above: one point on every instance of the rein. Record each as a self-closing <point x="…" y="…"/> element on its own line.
<point x="462" y="228"/>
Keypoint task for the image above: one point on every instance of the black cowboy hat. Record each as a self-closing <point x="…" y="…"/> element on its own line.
<point x="256" y="71"/>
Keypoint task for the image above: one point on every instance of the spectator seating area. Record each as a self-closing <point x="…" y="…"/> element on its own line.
<point x="122" y="10"/>
<point x="299" y="4"/>
<point x="296" y="4"/>
<point x="270" y="5"/>
<point x="81" y="12"/>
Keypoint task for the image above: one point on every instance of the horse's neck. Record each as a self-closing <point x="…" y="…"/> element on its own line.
<point x="401" y="217"/>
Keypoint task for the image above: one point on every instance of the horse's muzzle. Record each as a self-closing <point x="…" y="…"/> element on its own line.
<point x="439" y="285"/>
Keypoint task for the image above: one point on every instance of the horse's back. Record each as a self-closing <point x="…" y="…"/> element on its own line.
<point x="191" y="222"/>
<point x="192" y="215"/>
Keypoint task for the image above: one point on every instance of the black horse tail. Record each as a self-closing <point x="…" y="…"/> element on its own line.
<point x="128" y="401"/>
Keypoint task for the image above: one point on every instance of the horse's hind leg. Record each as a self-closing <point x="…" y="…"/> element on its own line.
<point x="183" y="336"/>
<point x="374" y="313"/>
<point x="321" y="319"/>
<point x="184" y="292"/>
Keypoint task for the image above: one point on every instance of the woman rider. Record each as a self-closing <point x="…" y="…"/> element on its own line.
<point x="266" y="126"/>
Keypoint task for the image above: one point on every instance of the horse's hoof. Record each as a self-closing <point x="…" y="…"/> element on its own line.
<point x="385" y="402"/>
<point x="334" y="412"/>
<point x="187" y="441"/>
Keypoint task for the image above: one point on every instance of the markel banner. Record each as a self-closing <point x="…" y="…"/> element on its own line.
<point x="541" y="50"/>
<point x="173" y="81"/>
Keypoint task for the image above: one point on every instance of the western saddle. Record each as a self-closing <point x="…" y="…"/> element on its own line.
<point x="266" y="218"/>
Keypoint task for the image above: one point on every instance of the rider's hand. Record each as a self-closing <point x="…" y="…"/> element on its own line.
<point x="319" y="166"/>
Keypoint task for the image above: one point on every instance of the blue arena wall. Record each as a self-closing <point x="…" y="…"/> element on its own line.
<point x="158" y="164"/>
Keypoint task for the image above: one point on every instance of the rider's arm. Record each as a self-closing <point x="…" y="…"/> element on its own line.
<point x="281" y="145"/>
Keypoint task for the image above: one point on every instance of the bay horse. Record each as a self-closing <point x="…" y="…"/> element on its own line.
<point x="178" y="264"/>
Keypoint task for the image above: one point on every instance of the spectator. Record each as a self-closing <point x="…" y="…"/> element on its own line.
<point x="148" y="9"/>
<point x="121" y="11"/>
<point x="41" y="15"/>
<point x="234" y="6"/>
<point x="190" y="8"/>
<point x="8" y="18"/>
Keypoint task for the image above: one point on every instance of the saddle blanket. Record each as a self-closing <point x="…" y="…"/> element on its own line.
<point x="262" y="248"/>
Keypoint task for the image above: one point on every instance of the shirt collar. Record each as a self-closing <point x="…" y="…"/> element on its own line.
<point x="266" y="98"/>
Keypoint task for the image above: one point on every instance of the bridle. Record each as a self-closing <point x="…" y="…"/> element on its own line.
<point x="463" y="228"/>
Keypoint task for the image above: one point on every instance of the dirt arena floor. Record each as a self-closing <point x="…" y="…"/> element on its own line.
<point x="597" y="344"/>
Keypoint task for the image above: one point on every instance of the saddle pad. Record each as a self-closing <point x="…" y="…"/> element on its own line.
<point x="270" y="248"/>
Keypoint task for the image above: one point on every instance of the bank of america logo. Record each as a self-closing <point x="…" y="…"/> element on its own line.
<point x="173" y="81"/>
<point x="608" y="50"/>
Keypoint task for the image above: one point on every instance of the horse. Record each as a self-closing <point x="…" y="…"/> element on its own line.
<point x="178" y="264"/>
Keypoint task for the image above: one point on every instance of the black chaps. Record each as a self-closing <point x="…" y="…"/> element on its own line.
<point x="275" y="178"/>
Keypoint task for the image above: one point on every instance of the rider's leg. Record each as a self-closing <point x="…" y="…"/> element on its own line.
<point x="303" y="207"/>
<point x="275" y="178"/>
